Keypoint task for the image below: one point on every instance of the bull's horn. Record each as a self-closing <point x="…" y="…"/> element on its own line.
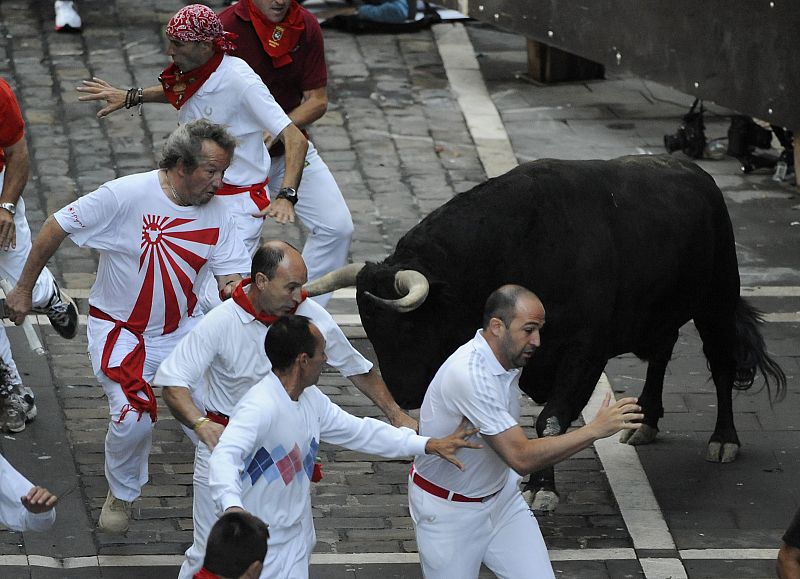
<point x="410" y="284"/>
<point x="342" y="277"/>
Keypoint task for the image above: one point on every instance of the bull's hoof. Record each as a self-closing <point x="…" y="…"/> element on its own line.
<point x="722" y="452"/>
<point x="644" y="435"/>
<point x="542" y="501"/>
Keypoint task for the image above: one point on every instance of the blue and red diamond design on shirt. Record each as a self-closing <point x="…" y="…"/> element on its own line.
<point x="279" y="464"/>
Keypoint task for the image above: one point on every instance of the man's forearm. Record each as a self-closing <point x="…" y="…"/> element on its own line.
<point x="180" y="403"/>
<point x="526" y="455"/>
<point x="314" y="105"/>
<point x="16" y="172"/>
<point x="45" y="245"/>
<point x="154" y="94"/>
<point x="296" y="147"/>
<point x="374" y="388"/>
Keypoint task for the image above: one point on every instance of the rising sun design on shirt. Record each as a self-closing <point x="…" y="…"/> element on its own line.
<point x="170" y="245"/>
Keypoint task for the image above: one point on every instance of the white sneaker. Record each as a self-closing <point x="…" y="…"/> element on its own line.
<point x="29" y="404"/>
<point x="17" y="409"/>
<point x="67" y="17"/>
<point x="12" y="414"/>
<point x="115" y="516"/>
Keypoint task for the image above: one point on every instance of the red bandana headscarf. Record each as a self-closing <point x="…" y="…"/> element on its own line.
<point x="194" y="23"/>
<point x="205" y="574"/>
<point x="198" y="23"/>
<point x="278" y="39"/>
<point x="243" y="302"/>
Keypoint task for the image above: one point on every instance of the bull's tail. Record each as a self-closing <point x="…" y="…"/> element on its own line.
<point x="752" y="355"/>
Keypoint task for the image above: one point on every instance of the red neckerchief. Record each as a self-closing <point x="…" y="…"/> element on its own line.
<point x="241" y="300"/>
<point x="180" y="86"/>
<point x="205" y="574"/>
<point x="278" y="39"/>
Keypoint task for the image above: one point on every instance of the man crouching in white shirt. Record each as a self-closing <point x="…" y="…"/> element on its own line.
<point x="265" y="457"/>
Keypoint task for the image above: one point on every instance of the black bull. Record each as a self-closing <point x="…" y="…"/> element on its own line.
<point x="622" y="253"/>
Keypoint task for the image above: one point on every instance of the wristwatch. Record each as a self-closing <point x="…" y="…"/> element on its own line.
<point x="11" y="208"/>
<point x="288" y="193"/>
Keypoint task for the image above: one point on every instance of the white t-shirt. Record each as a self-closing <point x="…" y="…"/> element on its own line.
<point x="472" y="384"/>
<point x="236" y="97"/>
<point x="265" y="456"/>
<point x="151" y="249"/>
<point x="13" y="515"/>
<point x="226" y="351"/>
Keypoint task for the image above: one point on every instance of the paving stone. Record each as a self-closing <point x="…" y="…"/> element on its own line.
<point x="705" y="569"/>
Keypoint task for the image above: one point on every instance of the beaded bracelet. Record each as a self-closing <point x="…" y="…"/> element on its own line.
<point x="134" y="97"/>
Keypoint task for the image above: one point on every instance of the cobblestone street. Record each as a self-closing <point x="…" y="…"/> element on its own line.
<point x="396" y="139"/>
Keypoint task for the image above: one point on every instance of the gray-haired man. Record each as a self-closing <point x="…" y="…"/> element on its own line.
<point x="156" y="233"/>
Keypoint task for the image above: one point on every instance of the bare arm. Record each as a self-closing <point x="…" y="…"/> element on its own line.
<point x="180" y="403"/>
<point x="373" y="386"/>
<point x="19" y="300"/>
<point x="296" y="145"/>
<point x="296" y="148"/>
<point x="15" y="178"/>
<point x="98" y="89"/>
<point x="527" y="455"/>
<point x="313" y="106"/>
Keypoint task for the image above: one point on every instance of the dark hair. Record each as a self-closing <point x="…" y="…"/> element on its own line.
<point x="502" y="304"/>
<point x="286" y="339"/>
<point x="236" y="540"/>
<point x="186" y="143"/>
<point x="268" y="256"/>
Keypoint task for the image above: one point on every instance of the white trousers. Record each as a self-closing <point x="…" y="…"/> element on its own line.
<point x="322" y="210"/>
<point x="11" y="264"/>
<point x="455" y="538"/>
<point x="128" y="442"/>
<point x="204" y="513"/>
<point x="289" y="550"/>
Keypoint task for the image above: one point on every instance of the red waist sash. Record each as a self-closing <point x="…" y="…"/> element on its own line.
<point x="258" y="192"/>
<point x="129" y="373"/>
